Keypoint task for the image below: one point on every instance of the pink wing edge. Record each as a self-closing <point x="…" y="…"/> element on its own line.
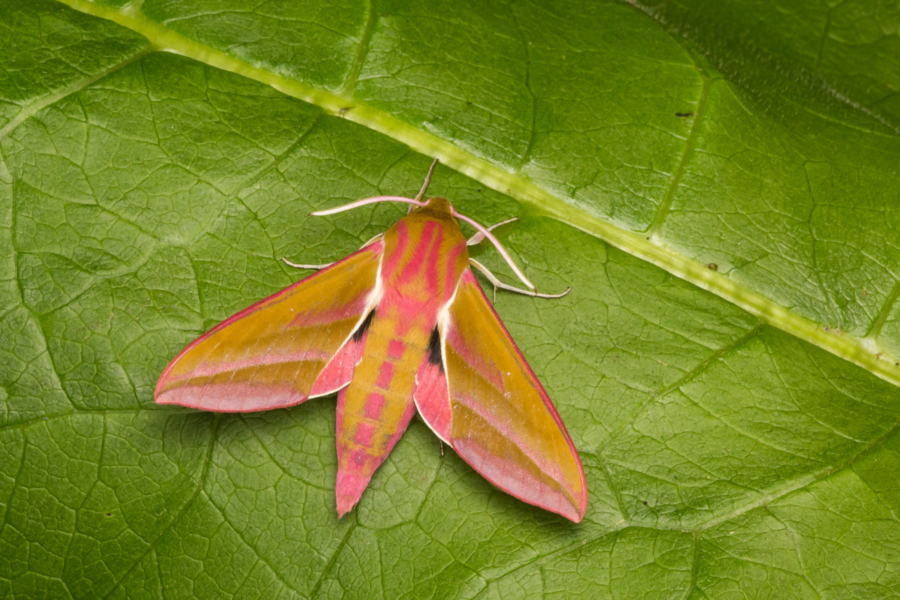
<point x="348" y="349"/>
<point x="436" y="414"/>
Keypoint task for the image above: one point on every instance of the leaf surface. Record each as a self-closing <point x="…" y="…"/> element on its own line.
<point x="716" y="184"/>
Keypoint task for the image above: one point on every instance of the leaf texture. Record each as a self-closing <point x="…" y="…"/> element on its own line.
<point x="716" y="183"/>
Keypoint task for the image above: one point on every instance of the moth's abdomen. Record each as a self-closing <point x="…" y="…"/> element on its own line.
<point x="375" y="409"/>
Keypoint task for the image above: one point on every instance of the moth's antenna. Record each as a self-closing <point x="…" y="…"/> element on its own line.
<point x="427" y="180"/>
<point x="486" y="233"/>
<point x="358" y="203"/>
<point x="417" y="201"/>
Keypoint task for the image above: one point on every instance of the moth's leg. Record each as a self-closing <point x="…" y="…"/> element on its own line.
<point x="499" y="284"/>
<point x="479" y="237"/>
<point x="310" y="267"/>
<point x="320" y="267"/>
<point x="424" y="185"/>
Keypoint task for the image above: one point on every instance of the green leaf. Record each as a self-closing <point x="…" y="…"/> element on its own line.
<point x="716" y="181"/>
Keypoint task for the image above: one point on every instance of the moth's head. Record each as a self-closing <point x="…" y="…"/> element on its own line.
<point x="438" y="205"/>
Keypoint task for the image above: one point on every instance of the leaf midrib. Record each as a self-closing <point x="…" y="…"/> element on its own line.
<point x="863" y="352"/>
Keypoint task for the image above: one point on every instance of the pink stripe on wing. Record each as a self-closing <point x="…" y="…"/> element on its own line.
<point x="256" y="360"/>
<point x="313" y="318"/>
<point x="515" y="480"/>
<point x="503" y="424"/>
<point x="476" y="359"/>
<point x="232" y="397"/>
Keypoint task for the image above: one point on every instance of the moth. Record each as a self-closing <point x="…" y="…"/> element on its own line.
<point x="401" y="326"/>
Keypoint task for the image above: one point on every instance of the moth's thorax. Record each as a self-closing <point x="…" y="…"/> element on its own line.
<point x="425" y="254"/>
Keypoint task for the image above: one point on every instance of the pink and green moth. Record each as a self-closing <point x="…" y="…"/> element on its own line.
<point x="400" y="326"/>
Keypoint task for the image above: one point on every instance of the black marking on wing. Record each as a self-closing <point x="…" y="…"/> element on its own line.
<point x="364" y="326"/>
<point x="434" y="350"/>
